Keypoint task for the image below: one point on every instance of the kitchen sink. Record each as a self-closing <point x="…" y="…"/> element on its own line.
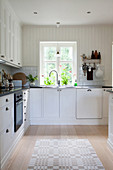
<point x="56" y="86"/>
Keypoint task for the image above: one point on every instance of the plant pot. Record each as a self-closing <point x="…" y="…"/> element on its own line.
<point x="32" y="83"/>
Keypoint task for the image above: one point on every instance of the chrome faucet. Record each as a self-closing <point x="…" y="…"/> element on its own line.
<point x="58" y="81"/>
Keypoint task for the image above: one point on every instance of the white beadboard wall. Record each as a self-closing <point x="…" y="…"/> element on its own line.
<point x="97" y="37"/>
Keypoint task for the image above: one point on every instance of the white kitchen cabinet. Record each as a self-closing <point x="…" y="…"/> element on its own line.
<point x="68" y="106"/>
<point x="5" y="100"/>
<point x="5" y="116"/>
<point x="26" y="107"/>
<point x="10" y="33"/>
<point x="67" y="103"/>
<point x="9" y="138"/>
<point x="19" y="46"/>
<point x="6" y="139"/>
<point x="105" y="103"/>
<point x="36" y="95"/>
<point x="3" y="31"/>
<point x="89" y="103"/>
<point x="110" y="122"/>
<point x="6" y="126"/>
<point x="51" y="103"/>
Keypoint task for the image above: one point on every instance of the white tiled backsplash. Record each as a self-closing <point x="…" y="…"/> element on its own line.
<point x="82" y="80"/>
<point x="96" y="81"/>
<point x="27" y="71"/>
<point x="8" y="69"/>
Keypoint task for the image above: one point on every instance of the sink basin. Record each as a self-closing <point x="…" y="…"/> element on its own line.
<point x="66" y="86"/>
<point x="56" y="86"/>
<point x="50" y="86"/>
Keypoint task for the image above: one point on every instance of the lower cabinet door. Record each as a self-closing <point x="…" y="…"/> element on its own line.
<point x="5" y="116"/>
<point x="67" y="103"/>
<point x="89" y="103"/>
<point x="36" y="102"/>
<point x="51" y="103"/>
<point x="5" y="140"/>
<point x="105" y="103"/>
<point x="111" y="119"/>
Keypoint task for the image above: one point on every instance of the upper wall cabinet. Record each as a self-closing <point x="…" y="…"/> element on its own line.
<point x="10" y="35"/>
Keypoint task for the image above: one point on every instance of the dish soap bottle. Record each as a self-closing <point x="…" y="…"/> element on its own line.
<point x="75" y="84"/>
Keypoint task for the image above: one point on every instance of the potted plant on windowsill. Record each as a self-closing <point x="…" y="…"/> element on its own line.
<point x="32" y="79"/>
<point x="64" y="77"/>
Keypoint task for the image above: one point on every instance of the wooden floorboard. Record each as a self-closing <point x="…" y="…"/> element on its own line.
<point x="97" y="135"/>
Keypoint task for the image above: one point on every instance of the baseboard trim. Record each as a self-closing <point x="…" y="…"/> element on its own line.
<point x="72" y="121"/>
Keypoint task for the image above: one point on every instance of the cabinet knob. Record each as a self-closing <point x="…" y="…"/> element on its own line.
<point x="104" y="90"/>
<point x="7" y="130"/>
<point x="24" y="93"/>
<point x="24" y="119"/>
<point x="11" y="60"/>
<point x="24" y="106"/>
<point x="18" y="63"/>
<point x="24" y="100"/>
<point x="89" y="90"/>
<point x="25" y="113"/>
<point x="7" y="100"/>
<point x="7" y="108"/>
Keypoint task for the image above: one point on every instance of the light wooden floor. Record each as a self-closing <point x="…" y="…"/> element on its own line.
<point x="97" y="136"/>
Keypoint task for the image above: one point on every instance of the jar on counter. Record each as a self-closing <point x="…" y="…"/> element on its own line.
<point x="6" y="83"/>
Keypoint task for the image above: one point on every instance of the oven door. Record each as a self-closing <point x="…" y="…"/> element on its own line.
<point x="18" y="115"/>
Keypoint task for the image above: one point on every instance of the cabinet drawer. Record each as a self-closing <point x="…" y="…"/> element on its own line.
<point x="5" y="116"/>
<point x="5" y="141"/>
<point x="6" y="100"/>
<point x="25" y="94"/>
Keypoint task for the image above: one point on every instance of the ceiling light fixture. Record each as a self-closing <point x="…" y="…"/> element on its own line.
<point x="88" y="12"/>
<point x="57" y="24"/>
<point x="35" y="12"/>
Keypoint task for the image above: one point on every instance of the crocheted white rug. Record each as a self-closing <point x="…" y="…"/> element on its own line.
<point x="64" y="154"/>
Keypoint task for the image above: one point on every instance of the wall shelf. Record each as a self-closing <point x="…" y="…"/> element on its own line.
<point x="92" y="61"/>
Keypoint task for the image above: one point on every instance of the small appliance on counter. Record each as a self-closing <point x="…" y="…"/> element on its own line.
<point x="17" y="83"/>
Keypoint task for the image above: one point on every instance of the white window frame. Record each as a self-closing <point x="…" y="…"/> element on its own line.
<point x="58" y="44"/>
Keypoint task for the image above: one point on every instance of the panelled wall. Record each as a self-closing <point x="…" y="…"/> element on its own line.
<point x="88" y="38"/>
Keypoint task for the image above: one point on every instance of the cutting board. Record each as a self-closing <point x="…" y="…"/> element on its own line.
<point x="20" y="76"/>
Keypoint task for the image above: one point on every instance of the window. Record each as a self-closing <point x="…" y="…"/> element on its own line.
<point x="65" y="63"/>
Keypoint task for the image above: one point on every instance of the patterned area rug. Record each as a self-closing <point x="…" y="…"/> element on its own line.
<point x="64" y="154"/>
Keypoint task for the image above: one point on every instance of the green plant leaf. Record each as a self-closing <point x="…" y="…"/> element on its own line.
<point x="31" y="78"/>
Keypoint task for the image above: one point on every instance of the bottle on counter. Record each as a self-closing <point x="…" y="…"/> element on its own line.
<point x="75" y="84"/>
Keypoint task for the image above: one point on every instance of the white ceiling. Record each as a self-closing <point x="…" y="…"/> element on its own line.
<point x="68" y="12"/>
